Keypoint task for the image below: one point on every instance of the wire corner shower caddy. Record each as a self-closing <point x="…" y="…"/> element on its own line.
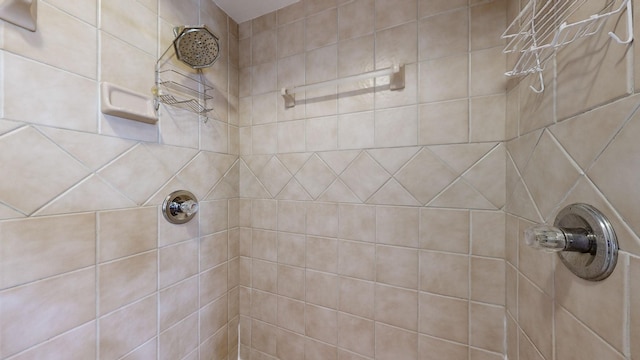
<point x="543" y="27"/>
<point x="198" y="48"/>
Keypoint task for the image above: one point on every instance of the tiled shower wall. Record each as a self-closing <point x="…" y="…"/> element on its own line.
<point x="371" y="222"/>
<point x="89" y="268"/>
<point x="577" y="142"/>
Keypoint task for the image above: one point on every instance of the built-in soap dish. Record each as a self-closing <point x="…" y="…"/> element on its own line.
<point x="124" y="103"/>
<point x="23" y="13"/>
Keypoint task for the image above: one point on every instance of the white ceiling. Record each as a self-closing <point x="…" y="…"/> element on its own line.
<point x="243" y="10"/>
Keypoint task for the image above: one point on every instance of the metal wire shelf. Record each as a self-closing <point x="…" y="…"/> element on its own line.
<point x="186" y="91"/>
<point x="190" y="104"/>
<point x="540" y="30"/>
<point x="182" y="91"/>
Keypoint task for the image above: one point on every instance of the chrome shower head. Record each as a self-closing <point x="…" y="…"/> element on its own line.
<point x="196" y="46"/>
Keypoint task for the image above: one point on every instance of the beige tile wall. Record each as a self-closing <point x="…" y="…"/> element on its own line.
<point x="582" y="149"/>
<point x="371" y="221"/>
<point x="89" y="268"/>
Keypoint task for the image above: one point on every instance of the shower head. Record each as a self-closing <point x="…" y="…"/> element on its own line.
<point x="196" y="46"/>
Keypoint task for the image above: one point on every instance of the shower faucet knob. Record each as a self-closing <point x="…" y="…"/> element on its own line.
<point x="180" y="206"/>
<point x="582" y="238"/>
<point x="554" y="239"/>
<point x="189" y="207"/>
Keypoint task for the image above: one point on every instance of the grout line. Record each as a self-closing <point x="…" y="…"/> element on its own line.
<point x="468" y="99"/>
<point x="626" y="323"/>
<point x="97" y="283"/>
<point x="3" y="71"/>
<point x="554" y="308"/>
<point x="199" y="279"/>
<point x="98" y="64"/>
<point x="621" y="127"/>
<point x="469" y="275"/>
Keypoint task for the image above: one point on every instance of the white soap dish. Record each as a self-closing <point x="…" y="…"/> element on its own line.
<point x="23" y="13"/>
<point x="124" y="103"/>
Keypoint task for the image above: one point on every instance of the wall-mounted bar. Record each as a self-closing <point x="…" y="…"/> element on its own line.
<point x="395" y="73"/>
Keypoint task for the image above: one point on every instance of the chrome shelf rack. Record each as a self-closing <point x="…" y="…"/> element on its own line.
<point x="182" y="91"/>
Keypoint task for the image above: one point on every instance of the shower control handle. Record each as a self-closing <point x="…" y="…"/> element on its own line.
<point x="554" y="239"/>
<point x="582" y="238"/>
<point x="188" y="207"/>
<point x="179" y="207"/>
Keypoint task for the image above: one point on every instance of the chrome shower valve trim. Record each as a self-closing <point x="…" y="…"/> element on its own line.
<point x="583" y="238"/>
<point x="180" y="207"/>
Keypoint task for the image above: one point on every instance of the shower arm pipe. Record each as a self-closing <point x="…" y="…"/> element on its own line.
<point x="396" y="82"/>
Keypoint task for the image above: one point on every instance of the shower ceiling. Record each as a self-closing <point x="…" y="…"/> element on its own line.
<point x="243" y="10"/>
